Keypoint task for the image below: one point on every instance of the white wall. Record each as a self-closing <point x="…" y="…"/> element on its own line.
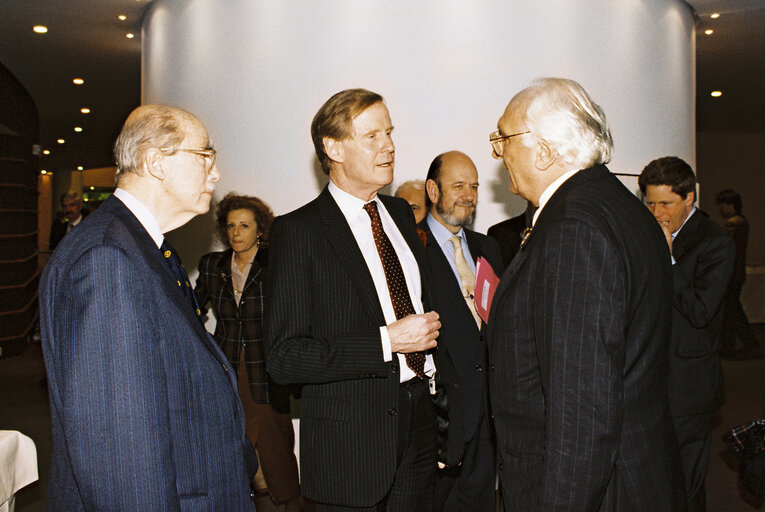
<point x="256" y="71"/>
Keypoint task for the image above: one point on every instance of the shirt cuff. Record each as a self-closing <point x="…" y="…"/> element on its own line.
<point x="385" y="340"/>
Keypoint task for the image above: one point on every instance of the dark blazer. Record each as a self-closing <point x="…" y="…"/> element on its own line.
<point x="704" y="258"/>
<point x="239" y="327"/>
<point x="459" y="335"/>
<point x="578" y="335"/>
<point x="58" y="231"/>
<point x="508" y="235"/>
<point x="144" y="407"/>
<point x="323" y="322"/>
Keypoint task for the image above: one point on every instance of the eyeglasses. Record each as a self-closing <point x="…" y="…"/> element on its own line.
<point x="208" y="154"/>
<point x="496" y="140"/>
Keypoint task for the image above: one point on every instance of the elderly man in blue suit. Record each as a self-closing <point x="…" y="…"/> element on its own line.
<point x="144" y="408"/>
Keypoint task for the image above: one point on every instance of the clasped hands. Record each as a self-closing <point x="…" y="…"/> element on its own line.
<point x="414" y="333"/>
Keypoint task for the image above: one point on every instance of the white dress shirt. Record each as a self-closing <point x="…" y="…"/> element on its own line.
<point x="443" y="237"/>
<point x="361" y="226"/>
<point x="144" y="216"/>
<point x="549" y="191"/>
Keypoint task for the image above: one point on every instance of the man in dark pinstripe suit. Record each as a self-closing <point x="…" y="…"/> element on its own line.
<point x="580" y="323"/>
<point x="368" y="432"/>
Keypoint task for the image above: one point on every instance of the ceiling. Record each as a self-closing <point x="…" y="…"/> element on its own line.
<point x="85" y="39"/>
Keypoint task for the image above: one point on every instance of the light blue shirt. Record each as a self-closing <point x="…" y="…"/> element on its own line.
<point x="442" y="236"/>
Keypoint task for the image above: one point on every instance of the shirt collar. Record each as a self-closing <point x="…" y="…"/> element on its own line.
<point x="440" y="233"/>
<point x="686" y="220"/>
<point x="549" y="191"/>
<point x="349" y="204"/>
<point x="144" y="216"/>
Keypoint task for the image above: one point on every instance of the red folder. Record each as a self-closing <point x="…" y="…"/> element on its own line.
<point x="486" y="282"/>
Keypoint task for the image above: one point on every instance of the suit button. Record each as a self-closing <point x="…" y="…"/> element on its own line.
<point x="392" y="411"/>
<point x="252" y="495"/>
<point x="394" y="368"/>
<point x="501" y="466"/>
<point x="491" y="367"/>
<point x="478" y="367"/>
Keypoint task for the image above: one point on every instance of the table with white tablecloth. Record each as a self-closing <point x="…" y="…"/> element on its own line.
<point x="18" y="466"/>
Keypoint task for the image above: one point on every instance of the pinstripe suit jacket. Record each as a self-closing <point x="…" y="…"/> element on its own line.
<point x="323" y="322"/>
<point x="578" y="335"/>
<point x="144" y="408"/>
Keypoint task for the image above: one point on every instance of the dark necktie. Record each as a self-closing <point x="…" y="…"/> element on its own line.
<point x="181" y="278"/>
<point x="394" y="277"/>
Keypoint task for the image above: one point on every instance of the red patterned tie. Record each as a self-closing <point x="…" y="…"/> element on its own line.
<point x="394" y="277"/>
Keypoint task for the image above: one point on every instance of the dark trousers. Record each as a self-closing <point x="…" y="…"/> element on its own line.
<point x="470" y="486"/>
<point x="694" y="434"/>
<point x="735" y="323"/>
<point x="412" y="488"/>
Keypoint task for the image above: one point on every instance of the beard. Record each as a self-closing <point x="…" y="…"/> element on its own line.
<point x="452" y="218"/>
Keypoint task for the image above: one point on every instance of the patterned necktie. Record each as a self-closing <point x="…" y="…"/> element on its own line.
<point x="176" y="267"/>
<point x="394" y="277"/>
<point x="467" y="278"/>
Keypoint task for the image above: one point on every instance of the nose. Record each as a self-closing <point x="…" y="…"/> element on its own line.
<point x="214" y="174"/>
<point x="388" y="144"/>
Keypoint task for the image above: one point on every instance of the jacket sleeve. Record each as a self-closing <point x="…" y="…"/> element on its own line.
<point x="295" y="353"/>
<point x="112" y="388"/>
<point x="579" y="323"/>
<point x="700" y="282"/>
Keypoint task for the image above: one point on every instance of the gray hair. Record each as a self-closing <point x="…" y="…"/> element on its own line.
<point x="413" y="184"/>
<point x="148" y="126"/>
<point x="561" y="113"/>
<point x="71" y="196"/>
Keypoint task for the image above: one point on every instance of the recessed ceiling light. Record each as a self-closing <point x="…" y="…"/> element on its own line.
<point x="130" y="35"/>
<point x="709" y="31"/>
<point x="79" y="168"/>
<point x="85" y="110"/>
<point x="46" y="152"/>
<point x="43" y="172"/>
<point x="122" y="17"/>
<point x="714" y="15"/>
<point x="78" y="81"/>
<point x="78" y="129"/>
<point x="716" y="94"/>
<point x="60" y="141"/>
<point x="92" y="188"/>
<point x="40" y="29"/>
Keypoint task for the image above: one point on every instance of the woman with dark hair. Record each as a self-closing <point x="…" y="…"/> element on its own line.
<point x="232" y="284"/>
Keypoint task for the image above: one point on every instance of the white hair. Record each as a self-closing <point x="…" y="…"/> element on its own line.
<point x="561" y="113"/>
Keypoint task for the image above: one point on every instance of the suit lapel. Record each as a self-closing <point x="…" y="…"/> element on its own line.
<point x="223" y="269"/>
<point x="687" y="236"/>
<point x="157" y="263"/>
<point x="341" y="239"/>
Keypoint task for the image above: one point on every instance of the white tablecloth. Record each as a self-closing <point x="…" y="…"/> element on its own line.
<point x="18" y="465"/>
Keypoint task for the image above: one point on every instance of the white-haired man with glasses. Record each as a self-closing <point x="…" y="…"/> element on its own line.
<point x="580" y="323"/>
<point x="144" y="408"/>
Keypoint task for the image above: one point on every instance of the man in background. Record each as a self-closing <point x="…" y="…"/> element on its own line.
<point x="144" y="409"/>
<point x="453" y="250"/>
<point x="71" y="203"/>
<point x="509" y="233"/>
<point x="413" y="192"/>
<point x="702" y="257"/>
<point x="580" y="323"/>
<point x="735" y="322"/>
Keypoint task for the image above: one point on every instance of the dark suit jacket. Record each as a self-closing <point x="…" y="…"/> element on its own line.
<point x="323" y="322"/>
<point x="578" y="336"/>
<point x="144" y="407"/>
<point x="704" y="257"/>
<point x="58" y="231"/>
<point x="459" y="335"/>
<point x="508" y="235"/>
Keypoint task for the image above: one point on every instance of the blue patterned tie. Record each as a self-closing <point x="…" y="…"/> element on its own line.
<point x="181" y="278"/>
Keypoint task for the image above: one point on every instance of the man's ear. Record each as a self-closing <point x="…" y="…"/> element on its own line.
<point x="546" y="155"/>
<point x="153" y="163"/>
<point x="334" y="149"/>
<point x="432" y="188"/>
<point x="690" y="198"/>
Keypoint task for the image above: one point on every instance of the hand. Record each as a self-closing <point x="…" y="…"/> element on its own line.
<point x="414" y="333"/>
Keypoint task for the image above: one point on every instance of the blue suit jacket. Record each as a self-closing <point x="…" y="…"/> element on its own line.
<point x="144" y="406"/>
